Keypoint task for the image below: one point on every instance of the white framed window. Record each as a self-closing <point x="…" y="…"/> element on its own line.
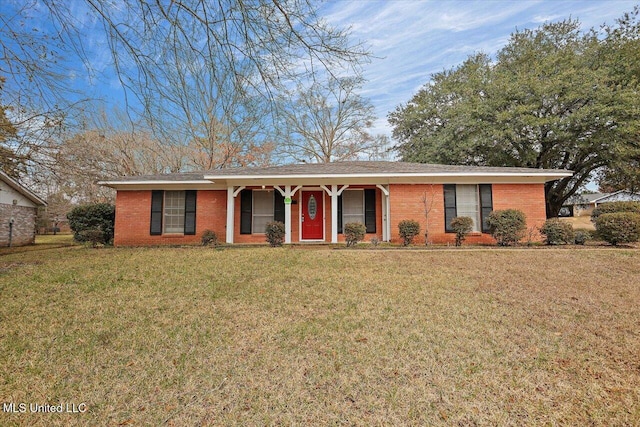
<point x="262" y="210"/>
<point x="471" y="200"/>
<point x="353" y="206"/>
<point x="174" y="211"/>
<point x="467" y="203"/>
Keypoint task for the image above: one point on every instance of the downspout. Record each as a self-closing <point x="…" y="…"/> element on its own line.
<point x="10" y="231"/>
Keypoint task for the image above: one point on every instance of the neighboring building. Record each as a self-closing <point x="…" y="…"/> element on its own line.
<point x="584" y="204"/>
<point x="18" y="209"/>
<point x="316" y="200"/>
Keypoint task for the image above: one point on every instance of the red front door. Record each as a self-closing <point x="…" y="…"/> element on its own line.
<point x="312" y="215"/>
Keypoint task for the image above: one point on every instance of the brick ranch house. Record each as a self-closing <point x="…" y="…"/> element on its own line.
<point x="18" y="209"/>
<point x="315" y="200"/>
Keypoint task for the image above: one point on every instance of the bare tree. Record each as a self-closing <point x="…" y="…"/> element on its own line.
<point x="55" y="213"/>
<point x="202" y="73"/>
<point x="10" y="161"/>
<point x="428" y="201"/>
<point x="87" y="157"/>
<point x="329" y="121"/>
<point x="35" y="72"/>
<point x="106" y="146"/>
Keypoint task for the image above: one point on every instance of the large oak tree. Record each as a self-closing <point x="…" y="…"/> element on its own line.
<point x="548" y="100"/>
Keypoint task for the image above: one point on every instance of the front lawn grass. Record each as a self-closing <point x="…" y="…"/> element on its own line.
<point x="262" y="336"/>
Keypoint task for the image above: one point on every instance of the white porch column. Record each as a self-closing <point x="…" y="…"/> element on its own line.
<point x="287" y="193"/>
<point x="388" y="212"/>
<point x="230" y="214"/>
<point x="386" y="220"/>
<point x="232" y="192"/>
<point x="287" y="214"/>
<point x="334" y="213"/>
<point x="334" y="193"/>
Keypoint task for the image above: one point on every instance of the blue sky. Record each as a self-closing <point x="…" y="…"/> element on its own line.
<point x="409" y="39"/>
<point x="413" y="39"/>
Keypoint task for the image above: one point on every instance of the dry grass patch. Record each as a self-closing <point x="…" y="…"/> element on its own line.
<point x="282" y="336"/>
<point x="580" y="222"/>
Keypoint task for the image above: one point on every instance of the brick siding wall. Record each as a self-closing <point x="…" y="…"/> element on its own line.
<point x="133" y="219"/>
<point x="24" y="231"/>
<point x="406" y="203"/>
<point x="133" y="214"/>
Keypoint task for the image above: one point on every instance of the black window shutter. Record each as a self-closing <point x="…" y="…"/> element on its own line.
<point x="245" y="211"/>
<point x="278" y="206"/>
<point x="156" y="212"/>
<point x="486" y="203"/>
<point x="340" y="213"/>
<point x="450" y="210"/>
<point x="370" y="210"/>
<point x="190" y="211"/>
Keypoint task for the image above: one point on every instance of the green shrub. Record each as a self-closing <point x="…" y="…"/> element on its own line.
<point x="618" y="227"/>
<point x="462" y="225"/>
<point x="98" y="216"/>
<point x="557" y="232"/>
<point x="275" y="233"/>
<point x="354" y="232"/>
<point x="507" y="226"/>
<point x="581" y="236"/>
<point x="209" y="237"/>
<point x="409" y="229"/>
<point x="613" y="207"/>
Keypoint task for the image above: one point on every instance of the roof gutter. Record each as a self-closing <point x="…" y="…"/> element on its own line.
<point x="389" y="175"/>
<point x="163" y="182"/>
<point x="209" y="179"/>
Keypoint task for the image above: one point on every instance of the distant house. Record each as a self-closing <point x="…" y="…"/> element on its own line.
<point x="18" y="208"/>
<point x="314" y="201"/>
<point x="584" y="204"/>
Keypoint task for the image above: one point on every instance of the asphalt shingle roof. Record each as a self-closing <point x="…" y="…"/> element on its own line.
<point x="341" y="168"/>
<point x="586" y="198"/>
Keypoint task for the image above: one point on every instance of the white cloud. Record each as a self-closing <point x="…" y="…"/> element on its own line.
<point x="411" y="40"/>
<point x="541" y="19"/>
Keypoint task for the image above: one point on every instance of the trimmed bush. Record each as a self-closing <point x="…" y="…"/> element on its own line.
<point x="507" y="226"/>
<point x="354" y="232"/>
<point x="209" y="237"/>
<point x="618" y="227"/>
<point x="462" y="225"/>
<point x="409" y="229"/>
<point x="581" y="237"/>
<point x="274" y="232"/>
<point x="557" y="232"/>
<point x="613" y="207"/>
<point x="98" y="216"/>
